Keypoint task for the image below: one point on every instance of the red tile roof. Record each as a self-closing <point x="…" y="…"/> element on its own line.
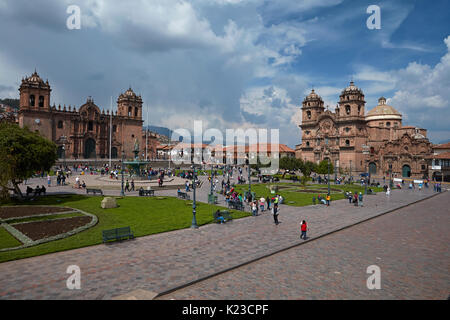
<point x="442" y="146"/>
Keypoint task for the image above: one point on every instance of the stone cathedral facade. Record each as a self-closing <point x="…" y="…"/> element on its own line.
<point x="84" y="133"/>
<point x="357" y="142"/>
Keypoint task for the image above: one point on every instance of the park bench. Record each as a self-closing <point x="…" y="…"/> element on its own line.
<point x="146" y="193"/>
<point x="94" y="191"/>
<point x="224" y="213"/>
<point x="183" y="195"/>
<point x="236" y="205"/>
<point x="117" y="234"/>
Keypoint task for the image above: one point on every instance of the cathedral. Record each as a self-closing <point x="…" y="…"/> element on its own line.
<point x="85" y="133"/>
<point x="356" y="142"/>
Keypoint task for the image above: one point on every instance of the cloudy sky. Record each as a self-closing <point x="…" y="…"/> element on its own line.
<point x="234" y="63"/>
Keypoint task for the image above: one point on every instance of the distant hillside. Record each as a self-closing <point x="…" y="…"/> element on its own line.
<point x="15" y="103"/>
<point x="161" y="130"/>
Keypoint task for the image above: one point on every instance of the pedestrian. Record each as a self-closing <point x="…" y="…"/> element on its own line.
<point x="254" y="208"/>
<point x="132" y="185"/>
<point x="355" y="199"/>
<point x="388" y="192"/>
<point x="49" y="180"/>
<point x="328" y="198"/>
<point x="268" y="202"/>
<point x="303" y="228"/>
<point x="261" y="203"/>
<point x="275" y="214"/>
<point x="360" y="199"/>
<point x="127" y="186"/>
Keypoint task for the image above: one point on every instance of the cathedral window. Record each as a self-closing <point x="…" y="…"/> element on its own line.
<point x="90" y="125"/>
<point x="347" y="109"/>
<point x="347" y="129"/>
<point x="359" y="109"/>
<point x="307" y="143"/>
<point x="347" y="143"/>
<point x="32" y="99"/>
<point x="60" y="124"/>
<point x="308" y="114"/>
<point x="114" y="128"/>
<point x="135" y="112"/>
<point x="129" y="111"/>
<point x="388" y="124"/>
<point x="41" y="101"/>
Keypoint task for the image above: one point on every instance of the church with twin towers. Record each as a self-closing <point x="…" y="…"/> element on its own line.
<point x="355" y="141"/>
<point x="85" y="133"/>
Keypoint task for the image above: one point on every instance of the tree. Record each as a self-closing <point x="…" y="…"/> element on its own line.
<point x="22" y="153"/>
<point x="322" y="167"/>
<point x="307" y="168"/>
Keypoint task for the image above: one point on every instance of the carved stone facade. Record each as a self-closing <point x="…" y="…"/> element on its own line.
<point x="356" y="142"/>
<point x="84" y="134"/>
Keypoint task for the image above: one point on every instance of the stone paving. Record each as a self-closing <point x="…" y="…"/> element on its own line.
<point x="162" y="262"/>
<point x="410" y="246"/>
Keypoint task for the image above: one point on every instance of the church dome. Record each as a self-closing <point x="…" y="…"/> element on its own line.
<point x="383" y="112"/>
<point x="313" y="96"/>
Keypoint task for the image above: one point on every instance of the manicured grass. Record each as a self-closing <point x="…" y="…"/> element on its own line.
<point x="7" y="240"/>
<point x="145" y="216"/>
<point x="298" y="199"/>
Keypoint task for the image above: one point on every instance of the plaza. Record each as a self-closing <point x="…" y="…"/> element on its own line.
<point x="205" y="263"/>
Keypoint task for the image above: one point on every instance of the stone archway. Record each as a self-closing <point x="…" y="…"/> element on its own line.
<point x="406" y="171"/>
<point x="114" y="153"/>
<point x="89" y="148"/>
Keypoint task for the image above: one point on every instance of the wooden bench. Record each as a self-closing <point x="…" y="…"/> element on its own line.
<point x="146" y="192"/>
<point x="224" y="213"/>
<point x="236" y="205"/>
<point x="183" y="195"/>
<point x="117" y="234"/>
<point x="94" y="191"/>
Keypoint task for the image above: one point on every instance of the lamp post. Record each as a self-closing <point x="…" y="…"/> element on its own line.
<point x="122" y="193"/>
<point x="64" y="156"/>
<point x="390" y="175"/>
<point x="328" y="156"/>
<point x="194" y="219"/>
<point x="367" y="173"/>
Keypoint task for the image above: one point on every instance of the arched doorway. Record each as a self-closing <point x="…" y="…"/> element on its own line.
<point x="60" y="152"/>
<point x="89" y="148"/>
<point x="406" y="171"/>
<point x="372" y="168"/>
<point x="114" y="152"/>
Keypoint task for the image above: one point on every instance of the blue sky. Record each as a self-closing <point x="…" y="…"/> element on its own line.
<point x="234" y="63"/>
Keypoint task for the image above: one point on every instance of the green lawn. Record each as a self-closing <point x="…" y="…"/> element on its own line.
<point x="302" y="199"/>
<point x="7" y="240"/>
<point x="145" y="215"/>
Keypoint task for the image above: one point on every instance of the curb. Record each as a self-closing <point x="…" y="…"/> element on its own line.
<point x="287" y="248"/>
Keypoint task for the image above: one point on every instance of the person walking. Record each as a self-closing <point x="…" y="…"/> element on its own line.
<point x="275" y="214"/>
<point x="268" y="202"/>
<point x="49" y="180"/>
<point x="303" y="228"/>
<point x="132" y="185"/>
<point x="360" y="199"/>
<point x="388" y="191"/>
<point x="254" y="208"/>
<point x="127" y="186"/>
<point x="328" y="198"/>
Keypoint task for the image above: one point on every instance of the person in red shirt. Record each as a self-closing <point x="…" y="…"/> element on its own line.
<point x="303" y="228"/>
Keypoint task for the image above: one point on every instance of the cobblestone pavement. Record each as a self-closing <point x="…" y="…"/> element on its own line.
<point x="409" y="245"/>
<point x="162" y="262"/>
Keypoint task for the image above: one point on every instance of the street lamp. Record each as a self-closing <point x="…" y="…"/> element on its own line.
<point x="64" y="156"/>
<point x="122" y="193"/>
<point x="328" y="156"/>
<point x="390" y="175"/>
<point x="194" y="219"/>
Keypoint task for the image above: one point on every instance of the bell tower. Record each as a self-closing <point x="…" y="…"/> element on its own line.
<point x="312" y="107"/>
<point x="130" y="105"/>
<point x="35" y="93"/>
<point x="351" y="103"/>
